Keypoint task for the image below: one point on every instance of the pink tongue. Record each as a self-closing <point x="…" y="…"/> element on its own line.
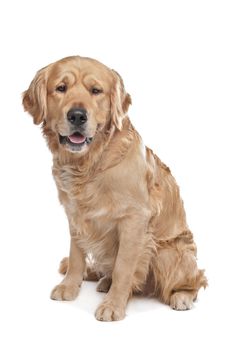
<point x="77" y="138"/>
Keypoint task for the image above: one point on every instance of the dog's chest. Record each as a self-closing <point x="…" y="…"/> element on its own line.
<point x="89" y="201"/>
<point x="92" y="207"/>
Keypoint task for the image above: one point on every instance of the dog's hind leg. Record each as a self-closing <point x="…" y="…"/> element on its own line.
<point x="178" y="277"/>
<point x="63" y="267"/>
<point x="104" y="284"/>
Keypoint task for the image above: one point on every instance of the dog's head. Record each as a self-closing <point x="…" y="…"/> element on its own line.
<point x="75" y="98"/>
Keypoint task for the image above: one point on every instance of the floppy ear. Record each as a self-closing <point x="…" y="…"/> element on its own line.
<point x="120" y="101"/>
<point x="35" y="98"/>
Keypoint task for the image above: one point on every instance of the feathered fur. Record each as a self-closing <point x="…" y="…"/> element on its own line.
<point x="127" y="220"/>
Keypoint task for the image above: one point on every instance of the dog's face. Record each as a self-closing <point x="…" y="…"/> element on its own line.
<point x="76" y="98"/>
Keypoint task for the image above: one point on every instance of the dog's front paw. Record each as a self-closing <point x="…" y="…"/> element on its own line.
<point x="107" y="311"/>
<point x="181" y="301"/>
<point x="65" y="292"/>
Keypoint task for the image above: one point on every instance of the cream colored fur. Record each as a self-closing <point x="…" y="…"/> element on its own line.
<point x="127" y="221"/>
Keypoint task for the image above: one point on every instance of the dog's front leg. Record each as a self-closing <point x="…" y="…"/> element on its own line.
<point x="132" y="232"/>
<point x="68" y="289"/>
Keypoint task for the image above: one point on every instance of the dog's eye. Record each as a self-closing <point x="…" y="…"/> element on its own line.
<point x="61" y="88"/>
<point x="96" y="91"/>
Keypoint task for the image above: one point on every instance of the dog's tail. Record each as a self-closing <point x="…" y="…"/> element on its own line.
<point x="89" y="275"/>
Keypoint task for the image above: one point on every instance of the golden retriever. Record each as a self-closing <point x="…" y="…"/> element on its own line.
<point x="127" y="221"/>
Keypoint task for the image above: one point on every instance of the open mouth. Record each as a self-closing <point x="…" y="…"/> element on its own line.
<point x="75" y="141"/>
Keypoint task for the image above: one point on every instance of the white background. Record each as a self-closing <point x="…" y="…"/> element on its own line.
<point x="176" y="58"/>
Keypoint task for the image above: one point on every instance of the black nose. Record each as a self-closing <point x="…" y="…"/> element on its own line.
<point x="77" y="116"/>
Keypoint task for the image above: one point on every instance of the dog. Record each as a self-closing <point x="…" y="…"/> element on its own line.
<point x="126" y="218"/>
